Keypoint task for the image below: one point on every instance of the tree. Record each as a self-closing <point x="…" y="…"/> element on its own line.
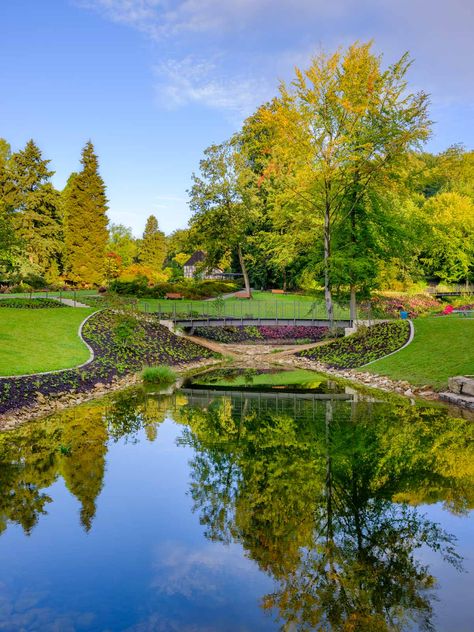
<point x="85" y="206"/>
<point x="342" y="124"/>
<point x="8" y="238"/>
<point x="123" y="243"/>
<point x="221" y="202"/>
<point x="36" y="209"/>
<point x="153" y="245"/>
<point x="448" y="237"/>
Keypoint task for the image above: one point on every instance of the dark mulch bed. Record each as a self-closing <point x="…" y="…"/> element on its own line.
<point x="121" y="345"/>
<point x="30" y="303"/>
<point x="262" y="333"/>
<point x="362" y="347"/>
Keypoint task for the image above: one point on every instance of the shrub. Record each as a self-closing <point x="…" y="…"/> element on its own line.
<point x="30" y="303"/>
<point x="158" y="375"/>
<point x="389" y="306"/>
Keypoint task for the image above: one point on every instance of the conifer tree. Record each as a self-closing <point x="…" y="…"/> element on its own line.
<point x="36" y="208"/>
<point x="153" y="246"/>
<point x="85" y="221"/>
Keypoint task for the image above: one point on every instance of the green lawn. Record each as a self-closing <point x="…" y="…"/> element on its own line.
<point x="38" y="340"/>
<point x="442" y="347"/>
<point x="261" y="305"/>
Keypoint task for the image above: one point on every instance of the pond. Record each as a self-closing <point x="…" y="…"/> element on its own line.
<point x="219" y="508"/>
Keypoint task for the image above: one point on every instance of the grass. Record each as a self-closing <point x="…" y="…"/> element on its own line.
<point x="158" y="375"/>
<point x="443" y="347"/>
<point x="261" y="305"/>
<point x="33" y="341"/>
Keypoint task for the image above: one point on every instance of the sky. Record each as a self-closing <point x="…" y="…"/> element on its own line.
<point x="154" y="82"/>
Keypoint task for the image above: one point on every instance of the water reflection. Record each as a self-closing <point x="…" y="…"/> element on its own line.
<point x="321" y="491"/>
<point x="324" y="504"/>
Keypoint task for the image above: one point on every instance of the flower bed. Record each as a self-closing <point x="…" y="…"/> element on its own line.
<point x="261" y="333"/>
<point x="362" y="347"/>
<point x="30" y="303"/>
<point x="121" y="345"/>
<point x="391" y="306"/>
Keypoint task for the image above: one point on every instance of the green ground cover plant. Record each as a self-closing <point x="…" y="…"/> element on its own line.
<point x="30" y="303"/>
<point x="38" y="340"/>
<point x="364" y="346"/>
<point x="443" y="346"/>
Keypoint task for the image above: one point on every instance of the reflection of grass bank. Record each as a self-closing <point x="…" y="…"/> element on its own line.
<point x="298" y="377"/>
<point x="442" y="347"/>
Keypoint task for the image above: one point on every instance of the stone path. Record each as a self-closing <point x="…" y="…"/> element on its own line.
<point x="69" y="302"/>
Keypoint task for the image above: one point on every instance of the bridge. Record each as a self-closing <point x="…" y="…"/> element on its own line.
<point x="193" y="322"/>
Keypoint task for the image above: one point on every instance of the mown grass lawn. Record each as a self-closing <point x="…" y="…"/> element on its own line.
<point x="443" y="346"/>
<point x="261" y="305"/>
<point x="32" y="341"/>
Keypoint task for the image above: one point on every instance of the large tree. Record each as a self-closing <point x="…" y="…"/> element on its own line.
<point x="85" y="207"/>
<point x="342" y="125"/>
<point x="36" y="209"/>
<point x="153" y="245"/>
<point x="221" y="202"/>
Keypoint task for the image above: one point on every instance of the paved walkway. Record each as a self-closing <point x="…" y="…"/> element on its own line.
<point x="69" y="302"/>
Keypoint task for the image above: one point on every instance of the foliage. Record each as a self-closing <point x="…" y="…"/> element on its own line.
<point x="192" y="289"/>
<point x="33" y="303"/>
<point x="236" y="333"/>
<point x="158" y="375"/>
<point x="390" y="306"/>
<point x="361" y="347"/>
<point x="152" y="251"/>
<point x="85" y="221"/>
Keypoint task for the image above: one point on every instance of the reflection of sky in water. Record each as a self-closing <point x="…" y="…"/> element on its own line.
<point x="145" y="564"/>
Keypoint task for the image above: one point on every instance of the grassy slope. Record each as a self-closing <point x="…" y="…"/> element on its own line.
<point x="38" y="340"/>
<point x="442" y="347"/>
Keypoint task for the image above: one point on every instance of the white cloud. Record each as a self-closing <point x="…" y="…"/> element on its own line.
<point x="192" y="80"/>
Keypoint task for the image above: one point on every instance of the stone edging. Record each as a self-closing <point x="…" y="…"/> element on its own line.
<point x="410" y="339"/>
<point x="79" y="333"/>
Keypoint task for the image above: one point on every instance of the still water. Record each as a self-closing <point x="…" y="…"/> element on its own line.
<point x="214" y="509"/>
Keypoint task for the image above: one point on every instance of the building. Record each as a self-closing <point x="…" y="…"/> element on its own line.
<point x="193" y="264"/>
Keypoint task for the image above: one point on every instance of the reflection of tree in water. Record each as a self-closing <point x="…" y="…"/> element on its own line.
<point x="71" y="444"/>
<point x="326" y="504"/>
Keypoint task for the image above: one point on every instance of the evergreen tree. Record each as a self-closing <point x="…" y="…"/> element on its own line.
<point x="7" y="232"/>
<point x="85" y="221"/>
<point x="36" y="209"/>
<point x="153" y="246"/>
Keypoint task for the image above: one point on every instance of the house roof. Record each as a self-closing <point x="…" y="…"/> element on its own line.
<point x="196" y="257"/>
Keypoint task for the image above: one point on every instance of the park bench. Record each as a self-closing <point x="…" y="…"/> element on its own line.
<point x="278" y="291"/>
<point x="242" y="294"/>
<point x="173" y="295"/>
<point x="467" y="313"/>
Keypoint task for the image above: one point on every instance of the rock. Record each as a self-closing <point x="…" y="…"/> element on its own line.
<point x="408" y="393"/>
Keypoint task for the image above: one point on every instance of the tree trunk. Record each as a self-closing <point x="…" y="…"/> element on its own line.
<point x="327" y="256"/>
<point x="353" y="305"/>
<point x="244" y="272"/>
<point x="284" y="280"/>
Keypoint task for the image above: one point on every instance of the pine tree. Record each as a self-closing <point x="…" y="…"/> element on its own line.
<point x="36" y="208"/>
<point x="85" y="221"/>
<point x="153" y="246"/>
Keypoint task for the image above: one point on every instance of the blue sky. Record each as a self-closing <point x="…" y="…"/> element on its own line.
<point x="154" y="82"/>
